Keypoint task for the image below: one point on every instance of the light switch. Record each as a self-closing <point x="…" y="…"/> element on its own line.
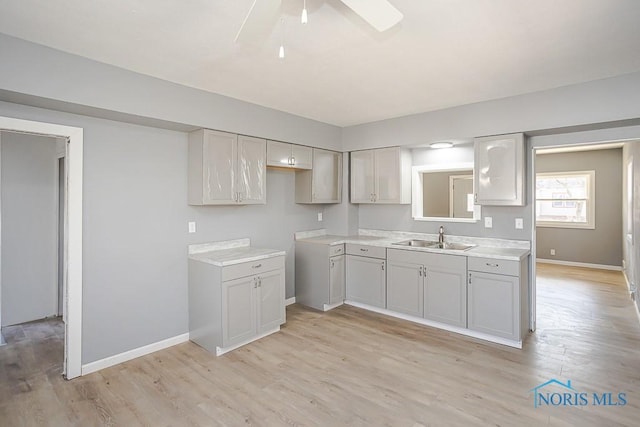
<point x="488" y="222"/>
<point x="519" y="224"/>
<point x="192" y="226"/>
<point x="319" y="216"/>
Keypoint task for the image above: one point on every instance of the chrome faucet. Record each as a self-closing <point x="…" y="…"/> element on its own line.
<point x="441" y="235"/>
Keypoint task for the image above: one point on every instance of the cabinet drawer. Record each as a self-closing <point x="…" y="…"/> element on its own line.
<point x="492" y="265"/>
<point x="250" y="268"/>
<point x="336" y="250"/>
<point x="368" y="251"/>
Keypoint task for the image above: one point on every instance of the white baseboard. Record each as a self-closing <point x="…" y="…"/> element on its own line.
<point x="290" y="301"/>
<point x="579" y="264"/>
<point x="220" y="351"/>
<point x="132" y="354"/>
<point x="444" y="326"/>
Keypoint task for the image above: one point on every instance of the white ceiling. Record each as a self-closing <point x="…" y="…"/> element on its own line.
<point x="337" y="69"/>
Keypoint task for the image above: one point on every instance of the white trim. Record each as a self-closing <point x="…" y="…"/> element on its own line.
<point x="289" y="301"/>
<point x="580" y="264"/>
<point x="133" y="354"/>
<point x="222" y="350"/>
<point x="73" y="237"/>
<point x="327" y="307"/>
<point x="444" y="326"/>
<point x="416" y="192"/>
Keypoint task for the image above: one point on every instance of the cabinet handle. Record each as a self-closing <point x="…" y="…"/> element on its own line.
<point x="260" y="282"/>
<point x="382" y="265"/>
<point x="339" y="250"/>
<point x="256" y="266"/>
<point x="293" y="160"/>
<point x="332" y="264"/>
<point x="420" y="271"/>
<point x="364" y="250"/>
<point x="491" y="265"/>
<point x="475" y="197"/>
<point x="255" y="282"/>
<point x="469" y="278"/>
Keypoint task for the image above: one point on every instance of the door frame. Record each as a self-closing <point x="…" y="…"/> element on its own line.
<point x="72" y="366"/>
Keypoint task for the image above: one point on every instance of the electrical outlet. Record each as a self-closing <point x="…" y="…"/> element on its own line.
<point x="488" y="222"/>
<point x="519" y="224"/>
<point x="192" y="227"/>
<point x="552" y="252"/>
<point x="319" y="216"/>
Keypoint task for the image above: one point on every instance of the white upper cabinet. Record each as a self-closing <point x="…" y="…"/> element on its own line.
<point x="499" y="170"/>
<point x="226" y="169"/>
<point x="291" y="156"/>
<point x="323" y="183"/>
<point x="381" y="176"/>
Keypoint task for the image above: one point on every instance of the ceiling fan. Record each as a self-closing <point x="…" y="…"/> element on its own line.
<point x="380" y="14"/>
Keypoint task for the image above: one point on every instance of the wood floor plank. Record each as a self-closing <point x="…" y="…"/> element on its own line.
<point x="349" y="367"/>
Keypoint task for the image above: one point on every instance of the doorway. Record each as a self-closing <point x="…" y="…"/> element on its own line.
<point x="72" y="235"/>
<point x="577" y="219"/>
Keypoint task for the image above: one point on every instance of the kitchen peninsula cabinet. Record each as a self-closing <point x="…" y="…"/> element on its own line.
<point x="226" y="169"/>
<point x="381" y="176"/>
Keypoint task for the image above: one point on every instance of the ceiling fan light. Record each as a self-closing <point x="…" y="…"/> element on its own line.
<point x="442" y="144"/>
<point x="281" y="53"/>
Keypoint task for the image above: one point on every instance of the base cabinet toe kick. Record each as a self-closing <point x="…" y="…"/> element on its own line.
<point x="485" y="298"/>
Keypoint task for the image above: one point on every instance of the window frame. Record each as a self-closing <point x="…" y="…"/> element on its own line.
<point x="590" y="201"/>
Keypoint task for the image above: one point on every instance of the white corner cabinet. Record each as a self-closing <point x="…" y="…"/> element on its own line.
<point x="233" y="305"/>
<point x="320" y="275"/>
<point x="381" y="176"/>
<point x="366" y="275"/>
<point x="323" y="183"/>
<point x="499" y="170"/>
<point x="289" y="156"/>
<point x="226" y="169"/>
<point x="428" y="285"/>
<point x="498" y="297"/>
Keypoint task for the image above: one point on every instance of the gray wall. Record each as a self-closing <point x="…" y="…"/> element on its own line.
<point x="603" y="245"/>
<point x="40" y="76"/>
<point x="29" y="217"/>
<point x="135" y="229"/>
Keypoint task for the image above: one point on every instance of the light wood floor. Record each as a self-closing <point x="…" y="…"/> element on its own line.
<point x="350" y="367"/>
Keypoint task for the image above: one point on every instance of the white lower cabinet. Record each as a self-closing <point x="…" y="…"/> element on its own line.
<point x="234" y="305"/>
<point x="428" y="285"/>
<point x="319" y="274"/>
<point x="366" y="275"/>
<point x="336" y="279"/>
<point x="498" y="297"/>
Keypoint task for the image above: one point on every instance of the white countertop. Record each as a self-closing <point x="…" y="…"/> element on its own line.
<point x="486" y="248"/>
<point x="230" y="252"/>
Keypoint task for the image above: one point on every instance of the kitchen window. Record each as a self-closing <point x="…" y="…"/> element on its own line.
<point x="565" y="199"/>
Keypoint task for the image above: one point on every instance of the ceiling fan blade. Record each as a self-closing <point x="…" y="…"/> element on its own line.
<point x="380" y="14"/>
<point x="259" y="21"/>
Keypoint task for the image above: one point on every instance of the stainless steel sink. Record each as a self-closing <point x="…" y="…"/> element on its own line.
<point x="451" y="246"/>
<point x="434" y="245"/>
<point x="418" y="243"/>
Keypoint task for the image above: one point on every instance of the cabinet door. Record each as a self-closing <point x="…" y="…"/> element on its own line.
<point x="362" y="176"/>
<point x="494" y="304"/>
<point x="278" y="154"/>
<point x="270" y="295"/>
<point x="445" y="295"/>
<point x="388" y="175"/>
<point x="251" y="169"/>
<point x="499" y="170"/>
<point x="326" y="176"/>
<point x="238" y="310"/>
<point x="405" y="288"/>
<point x="366" y="281"/>
<point x="220" y="156"/>
<point x="301" y="156"/>
<point x="336" y="279"/>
